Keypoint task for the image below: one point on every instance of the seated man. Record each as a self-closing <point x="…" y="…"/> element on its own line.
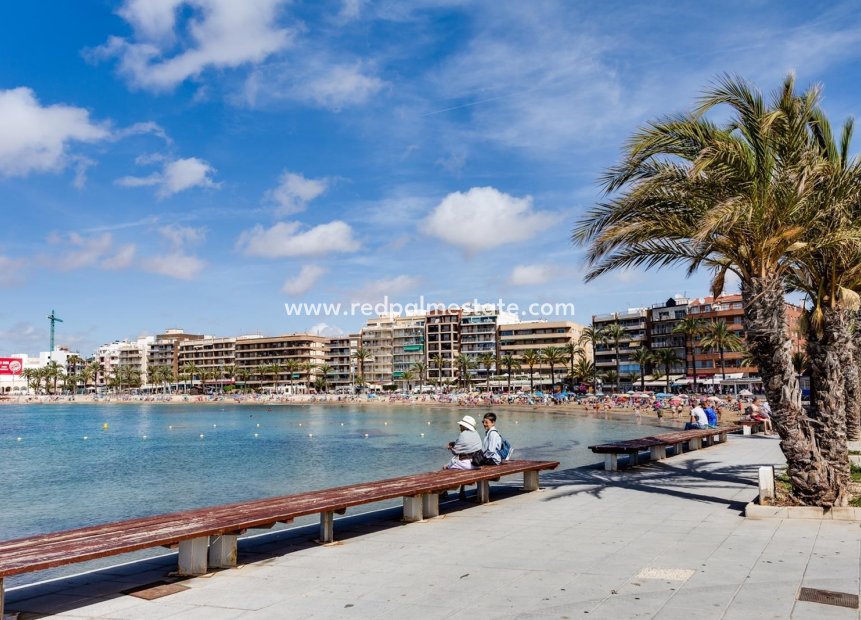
<point x="762" y="413"/>
<point x="698" y="418"/>
<point x="467" y="443"/>
<point x="711" y="416"/>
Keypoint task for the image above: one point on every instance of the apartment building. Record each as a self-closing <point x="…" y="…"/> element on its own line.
<point x="479" y="336"/>
<point x="213" y="359"/>
<point x="164" y="350"/>
<point x="339" y="355"/>
<point x="665" y="317"/>
<point x="377" y="342"/>
<point x="123" y="359"/>
<point x="536" y="335"/>
<point x="635" y="322"/>
<point x="408" y="347"/>
<point x="443" y="344"/>
<point x="297" y="357"/>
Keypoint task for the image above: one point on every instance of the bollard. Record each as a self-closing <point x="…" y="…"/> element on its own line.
<point x="766" y="483"/>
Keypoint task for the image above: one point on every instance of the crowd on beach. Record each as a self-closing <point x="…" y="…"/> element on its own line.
<point x="670" y="406"/>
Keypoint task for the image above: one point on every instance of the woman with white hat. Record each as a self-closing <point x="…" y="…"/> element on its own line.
<point x="467" y="443"/>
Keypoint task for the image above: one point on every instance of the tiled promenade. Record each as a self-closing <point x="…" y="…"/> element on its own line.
<point x="663" y="541"/>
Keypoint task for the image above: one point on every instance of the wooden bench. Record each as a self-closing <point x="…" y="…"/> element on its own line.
<point x="657" y="445"/>
<point x="749" y="426"/>
<point x="207" y="536"/>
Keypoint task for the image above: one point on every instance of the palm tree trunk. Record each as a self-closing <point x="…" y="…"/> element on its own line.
<point x="722" y="364"/>
<point x="828" y="355"/>
<point x="552" y="378"/>
<point x="810" y="474"/>
<point x="667" y="369"/>
<point x="531" y="385"/>
<point x="853" y="386"/>
<point x="693" y="362"/>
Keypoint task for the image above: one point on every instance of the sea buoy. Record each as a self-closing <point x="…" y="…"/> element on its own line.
<point x="255" y="434"/>
<point x="423" y="434"/>
<point x="258" y="426"/>
<point x="214" y="425"/>
<point x="201" y="435"/>
<point x="85" y="437"/>
<point x="144" y="436"/>
<point x="516" y="422"/>
<point x="342" y="424"/>
<point x="310" y="435"/>
<point x="366" y="434"/>
<point x="428" y="422"/>
<point x="105" y="426"/>
<point x="170" y="428"/>
<point x="385" y="423"/>
<point x="19" y="439"/>
<point x="300" y="424"/>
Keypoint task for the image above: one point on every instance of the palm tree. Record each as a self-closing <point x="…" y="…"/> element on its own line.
<point x="488" y="360"/>
<point x="735" y="197"/>
<point x="325" y="370"/>
<point x="716" y="336"/>
<point x="614" y="333"/>
<point x="668" y="358"/>
<point x="90" y="373"/>
<point x="509" y="362"/>
<point x="189" y="371"/>
<point x="611" y="376"/>
<point x="420" y="369"/>
<point x="799" y="362"/>
<point x="439" y="361"/>
<point x="552" y="356"/>
<point x="643" y="356"/>
<point x="53" y="372"/>
<point x="243" y="375"/>
<point x="275" y="369"/>
<point x="572" y="351"/>
<point x="362" y="355"/>
<point x="532" y="358"/>
<point x="408" y="377"/>
<point x="691" y="328"/>
<point x="463" y="363"/>
<point x="584" y="370"/>
<point x="591" y="336"/>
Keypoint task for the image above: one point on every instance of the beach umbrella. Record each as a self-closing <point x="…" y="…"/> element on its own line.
<point x="745" y="393"/>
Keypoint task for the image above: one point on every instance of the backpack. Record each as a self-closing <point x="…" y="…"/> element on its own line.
<point x="505" y="450"/>
<point x="748" y="410"/>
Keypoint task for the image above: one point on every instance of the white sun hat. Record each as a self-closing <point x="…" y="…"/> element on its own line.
<point x="468" y="422"/>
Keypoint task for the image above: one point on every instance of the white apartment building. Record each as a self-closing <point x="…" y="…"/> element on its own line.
<point x="408" y="348"/>
<point x="478" y="336"/>
<point x="213" y="358"/>
<point x="377" y="341"/>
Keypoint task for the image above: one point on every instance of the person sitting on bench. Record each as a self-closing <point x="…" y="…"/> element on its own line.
<point x="467" y="444"/>
<point x="698" y="418"/>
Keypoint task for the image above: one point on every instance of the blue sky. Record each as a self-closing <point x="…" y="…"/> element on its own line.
<point x="197" y="164"/>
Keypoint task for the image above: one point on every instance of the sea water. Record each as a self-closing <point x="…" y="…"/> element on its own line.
<point x="67" y="466"/>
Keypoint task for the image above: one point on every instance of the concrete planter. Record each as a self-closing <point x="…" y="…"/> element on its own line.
<point x="754" y="511"/>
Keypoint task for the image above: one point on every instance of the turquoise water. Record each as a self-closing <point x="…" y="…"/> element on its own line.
<point x="151" y="459"/>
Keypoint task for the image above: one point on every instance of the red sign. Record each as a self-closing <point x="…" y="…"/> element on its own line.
<point x="11" y="366"/>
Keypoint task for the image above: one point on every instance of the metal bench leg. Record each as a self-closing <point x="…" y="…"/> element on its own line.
<point x="222" y="551"/>
<point x="412" y="508"/>
<point x="611" y="462"/>
<point x="530" y="481"/>
<point x="483" y="491"/>
<point x="430" y="505"/>
<point x="192" y="556"/>
<point x="327" y="527"/>
<point x="657" y="453"/>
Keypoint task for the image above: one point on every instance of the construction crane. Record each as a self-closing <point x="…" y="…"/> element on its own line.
<point x="54" y="319"/>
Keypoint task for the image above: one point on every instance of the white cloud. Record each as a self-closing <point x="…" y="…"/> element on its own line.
<point x="176" y="176"/>
<point x="122" y="259"/>
<point x="528" y="275"/>
<point x="35" y="138"/>
<point x="286" y="239"/>
<point x="94" y="251"/>
<point x="219" y="34"/>
<point x="174" y="265"/>
<point x="180" y="235"/>
<point x="387" y="287"/>
<point x="324" y="329"/>
<point x="304" y="281"/>
<point x="484" y="218"/>
<point x="294" y="192"/>
<point x="317" y="82"/>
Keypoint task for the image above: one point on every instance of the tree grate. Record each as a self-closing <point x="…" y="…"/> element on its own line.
<point x="152" y="591"/>
<point x="827" y="597"/>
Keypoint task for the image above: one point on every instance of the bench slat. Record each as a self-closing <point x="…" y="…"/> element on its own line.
<point x="70" y="546"/>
